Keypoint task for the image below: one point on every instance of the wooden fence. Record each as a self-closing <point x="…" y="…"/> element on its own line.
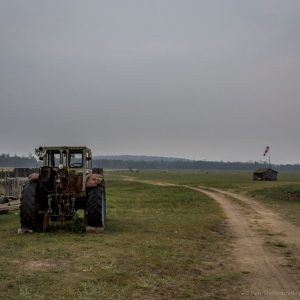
<point x="11" y="186"/>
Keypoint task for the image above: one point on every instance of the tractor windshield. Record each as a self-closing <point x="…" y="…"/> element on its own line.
<point x="75" y="159"/>
<point x="53" y="158"/>
<point x="56" y="157"/>
<point x="71" y="158"/>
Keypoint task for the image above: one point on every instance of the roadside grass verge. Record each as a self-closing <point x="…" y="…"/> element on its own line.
<point x="160" y="243"/>
<point x="283" y="196"/>
<point x="283" y="199"/>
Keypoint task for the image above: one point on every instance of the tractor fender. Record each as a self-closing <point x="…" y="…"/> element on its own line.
<point x="94" y="180"/>
<point x="33" y="177"/>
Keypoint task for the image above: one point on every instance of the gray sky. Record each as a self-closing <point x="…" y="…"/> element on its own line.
<point x="210" y="79"/>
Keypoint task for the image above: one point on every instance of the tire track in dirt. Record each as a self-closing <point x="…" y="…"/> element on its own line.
<point x="276" y="224"/>
<point x="264" y="269"/>
<point x="266" y="277"/>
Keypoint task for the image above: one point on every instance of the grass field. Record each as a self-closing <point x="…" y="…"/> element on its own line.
<point x="283" y="196"/>
<point x="222" y="179"/>
<point x="160" y="243"/>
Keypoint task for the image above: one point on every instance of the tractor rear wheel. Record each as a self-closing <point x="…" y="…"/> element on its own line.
<point x="94" y="207"/>
<point x="28" y="206"/>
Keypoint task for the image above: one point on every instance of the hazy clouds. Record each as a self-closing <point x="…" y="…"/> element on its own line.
<point x="197" y="79"/>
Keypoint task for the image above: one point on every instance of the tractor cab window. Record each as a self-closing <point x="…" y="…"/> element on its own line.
<point x="75" y="159"/>
<point x="53" y="158"/>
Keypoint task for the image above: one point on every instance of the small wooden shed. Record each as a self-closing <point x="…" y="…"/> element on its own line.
<point x="266" y="174"/>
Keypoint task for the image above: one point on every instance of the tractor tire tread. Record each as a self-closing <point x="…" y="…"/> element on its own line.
<point x="94" y="207"/>
<point x="28" y="206"/>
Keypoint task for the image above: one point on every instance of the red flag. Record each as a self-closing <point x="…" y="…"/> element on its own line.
<point x="267" y="150"/>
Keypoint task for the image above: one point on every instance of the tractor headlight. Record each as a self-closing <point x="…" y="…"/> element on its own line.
<point x="40" y="152"/>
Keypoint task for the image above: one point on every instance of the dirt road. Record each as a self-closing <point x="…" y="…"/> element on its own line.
<point x="265" y="246"/>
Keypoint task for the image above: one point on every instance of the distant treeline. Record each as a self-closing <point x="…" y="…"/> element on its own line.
<point x="30" y="162"/>
<point x="187" y="165"/>
<point x="15" y="161"/>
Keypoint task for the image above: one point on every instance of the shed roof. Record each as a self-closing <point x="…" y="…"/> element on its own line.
<point x="264" y="170"/>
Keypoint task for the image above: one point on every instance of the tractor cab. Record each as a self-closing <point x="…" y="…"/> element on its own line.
<point x="70" y="157"/>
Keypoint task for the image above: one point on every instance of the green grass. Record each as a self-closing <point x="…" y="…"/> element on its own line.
<point x="222" y="179"/>
<point x="284" y="199"/>
<point x="282" y="196"/>
<point x="160" y="243"/>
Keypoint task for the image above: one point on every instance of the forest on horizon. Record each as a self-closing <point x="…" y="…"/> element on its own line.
<point x="155" y="163"/>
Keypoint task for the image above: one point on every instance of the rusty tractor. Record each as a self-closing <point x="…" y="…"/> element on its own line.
<point x="64" y="183"/>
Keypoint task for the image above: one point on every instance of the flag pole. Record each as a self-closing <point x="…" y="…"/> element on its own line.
<point x="267" y="151"/>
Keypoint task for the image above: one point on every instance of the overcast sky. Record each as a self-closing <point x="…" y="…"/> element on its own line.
<point x="214" y="79"/>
